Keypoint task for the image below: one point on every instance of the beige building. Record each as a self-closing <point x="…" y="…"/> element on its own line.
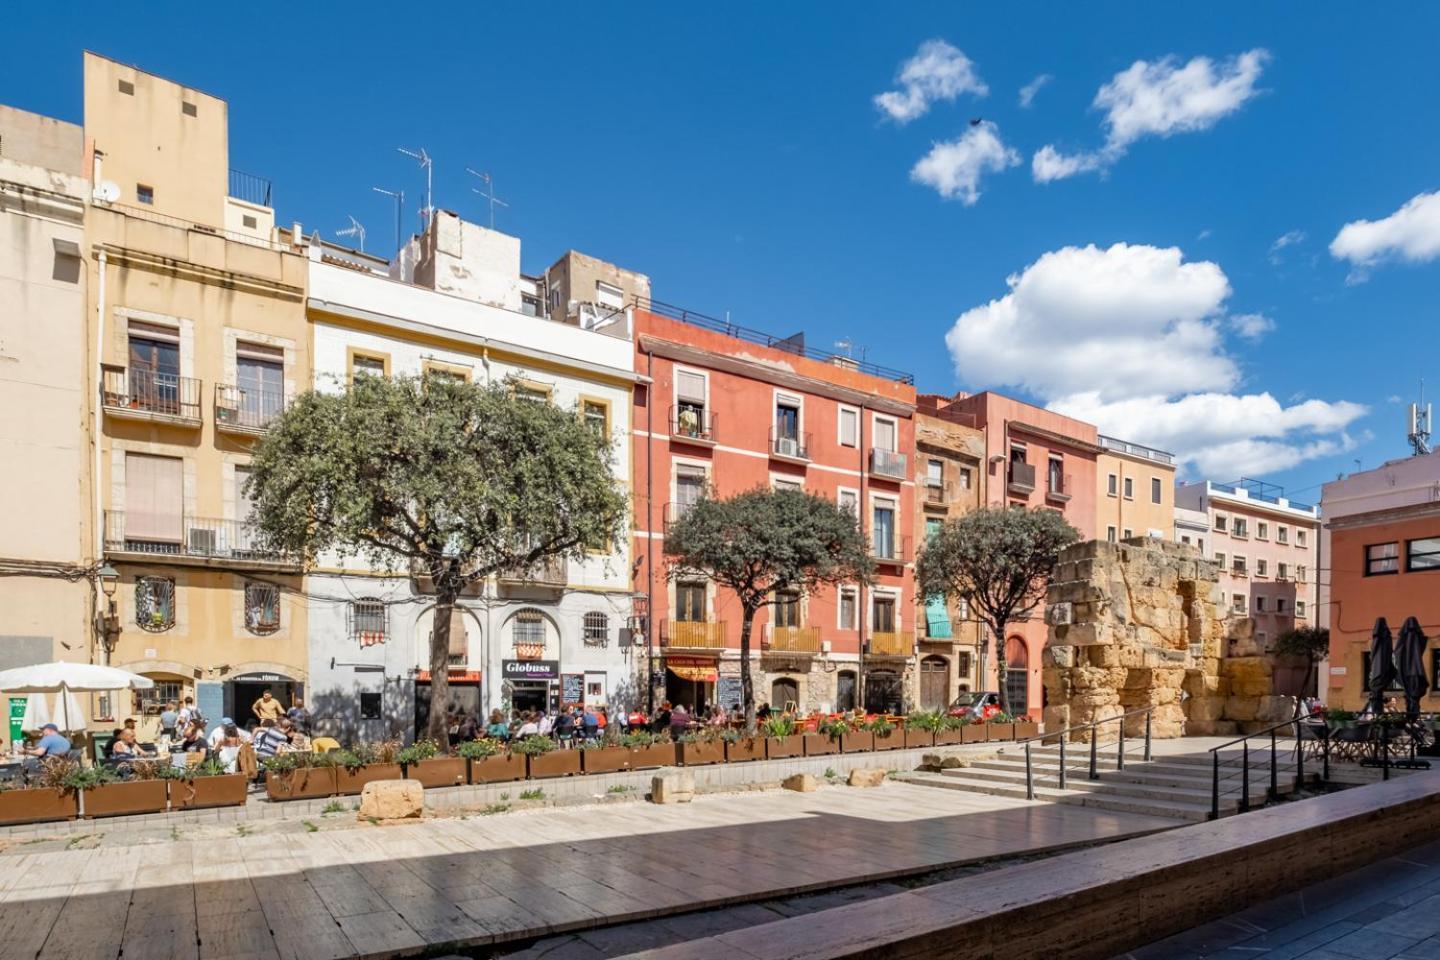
<point x="588" y="292"/>
<point x="1136" y="495"/>
<point x="196" y="320"/>
<point x="949" y="474"/>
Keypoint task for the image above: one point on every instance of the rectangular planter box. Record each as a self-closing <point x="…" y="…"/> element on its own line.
<point x="655" y="755"/>
<point x="38" y="805"/>
<point x="918" y="738"/>
<point x="783" y="748"/>
<point x="556" y="763"/>
<point x="752" y="748"/>
<point x="605" y="759"/>
<point x="228" y="790"/>
<point x="1026" y="728"/>
<point x="820" y="744"/>
<point x="973" y="733"/>
<point x="307" y="783"/>
<point x="498" y="768"/>
<point x="893" y="739"/>
<point x="857" y="741"/>
<point x="699" y="754"/>
<point x="439" y="772"/>
<point x="995" y="732"/>
<point x="350" y="783"/>
<point x="122" y="799"/>
<point x="945" y="738"/>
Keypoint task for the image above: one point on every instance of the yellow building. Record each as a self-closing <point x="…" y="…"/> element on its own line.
<point x="1137" y="491"/>
<point x="197" y="332"/>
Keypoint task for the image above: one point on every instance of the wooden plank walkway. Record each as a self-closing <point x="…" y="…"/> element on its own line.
<point x="396" y="890"/>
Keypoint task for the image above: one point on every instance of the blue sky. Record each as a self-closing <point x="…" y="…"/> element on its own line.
<point x="738" y="156"/>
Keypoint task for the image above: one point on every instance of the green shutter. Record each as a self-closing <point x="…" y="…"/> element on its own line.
<point x="937" y="618"/>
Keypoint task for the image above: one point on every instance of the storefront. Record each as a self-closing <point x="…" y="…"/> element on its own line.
<point x="241" y="692"/>
<point x="531" y="685"/>
<point x="691" y="681"/>
<point x="463" y="696"/>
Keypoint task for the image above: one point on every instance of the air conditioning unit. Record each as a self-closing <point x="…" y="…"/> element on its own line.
<point x="787" y="447"/>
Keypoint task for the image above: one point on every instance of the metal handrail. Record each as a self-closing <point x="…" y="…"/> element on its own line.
<point x="1093" y="725"/>
<point x="1244" y="742"/>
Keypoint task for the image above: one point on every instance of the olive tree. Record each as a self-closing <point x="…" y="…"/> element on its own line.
<point x="453" y="479"/>
<point x="999" y="559"/>
<point x="763" y="542"/>
<point x="1311" y="644"/>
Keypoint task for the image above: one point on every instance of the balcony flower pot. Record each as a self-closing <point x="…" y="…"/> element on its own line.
<point x="498" y="768"/>
<point x="857" y="741"/>
<point x="350" y="781"/>
<point x="889" y="739"/>
<point x="949" y="736"/>
<point x="996" y="732"/>
<point x="225" y="790"/>
<point x="973" y="733"/>
<point x="918" y="738"/>
<point x="38" y="805"/>
<point x="783" y="748"/>
<point x="1026" y="728"/>
<point x="301" y="783"/>
<point x="700" y="752"/>
<point x="438" y="771"/>
<point x="650" y="756"/>
<point x="555" y="763"/>
<point x="124" y="798"/>
<point x="820" y="744"/>
<point x="605" y="759"/>
<point x="744" y="748"/>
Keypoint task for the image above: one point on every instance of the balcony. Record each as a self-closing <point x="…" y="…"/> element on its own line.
<point x="250" y="188"/>
<point x="891" y="644"/>
<point x="707" y="636"/>
<point x="937" y="493"/>
<point x="193" y="540"/>
<point x="246" y="412"/>
<point x="804" y="640"/>
<point x="888" y="464"/>
<point x="891" y="550"/>
<point x="1020" y="480"/>
<point x="692" y="424"/>
<point x="1060" y="488"/>
<point x="138" y="393"/>
<point x="552" y="572"/>
<point x="790" y="447"/>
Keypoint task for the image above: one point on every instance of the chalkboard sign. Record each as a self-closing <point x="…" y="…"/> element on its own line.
<point x="728" y="692"/>
<point x="572" y="688"/>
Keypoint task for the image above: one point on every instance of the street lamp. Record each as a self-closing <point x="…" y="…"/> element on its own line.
<point x="109" y="580"/>
<point x="107" y="624"/>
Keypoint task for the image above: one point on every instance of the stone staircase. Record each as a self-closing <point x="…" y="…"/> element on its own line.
<point x="1177" y="786"/>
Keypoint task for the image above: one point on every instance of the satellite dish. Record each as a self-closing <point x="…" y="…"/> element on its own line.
<point x="108" y="191"/>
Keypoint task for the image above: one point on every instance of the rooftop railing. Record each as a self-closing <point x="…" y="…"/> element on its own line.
<point x="1137" y="450"/>
<point x="250" y="188"/>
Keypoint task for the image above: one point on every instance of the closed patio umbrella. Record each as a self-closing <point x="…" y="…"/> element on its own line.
<point x="37" y="712"/>
<point x="1382" y="665"/>
<point x="1410" y="663"/>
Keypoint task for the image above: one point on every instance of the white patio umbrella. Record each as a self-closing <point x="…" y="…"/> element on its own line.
<point x="75" y="677"/>
<point x="37" y="712"/>
<point x="68" y="714"/>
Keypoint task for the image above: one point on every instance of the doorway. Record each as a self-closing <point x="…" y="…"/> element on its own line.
<point x="1017" y="676"/>
<point x="934" y="683"/>
<point x="883" y="692"/>
<point x="784" y="691"/>
<point x="529" y="696"/>
<point x="240" y="696"/>
<point x="845" y="691"/>
<point x="696" y="695"/>
<point x="462" y="696"/>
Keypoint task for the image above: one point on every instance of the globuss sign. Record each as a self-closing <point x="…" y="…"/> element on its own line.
<point x="530" y="669"/>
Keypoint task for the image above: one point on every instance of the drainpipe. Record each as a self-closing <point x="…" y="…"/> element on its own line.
<point x="862" y="618"/>
<point x="650" y="535"/>
<point x="99" y="532"/>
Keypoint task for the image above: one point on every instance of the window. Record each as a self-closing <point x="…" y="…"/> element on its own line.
<point x="152" y="700"/>
<point x="262" y="608"/>
<point x="1200" y="544"/>
<point x="1220" y="559"/>
<point x="882" y="614"/>
<point x="1261" y="637"/>
<point x="370" y="704"/>
<point x="848" y="500"/>
<point x="1300" y="573"/>
<point x="597" y="418"/>
<point x="1110" y="534"/>
<point x="1279" y="604"/>
<point x="1238" y="602"/>
<point x="368" y="365"/>
<point x="786" y="609"/>
<point x="188" y="108"/>
<point x="528" y="629"/>
<point x="1282" y="571"/>
<point x="1155" y="490"/>
<point x="250" y="222"/>
<point x="689" y="488"/>
<point x="690" y="404"/>
<point x="1282" y="534"/>
<point x="155" y="604"/>
<point x="884" y="438"/>
<point x="849" y="427"/>
<point x="144" y="194"/>
<point x="847" y="608"/>
<point x="368" y="621"/>
<point x="690" y="601"/>
<point x="934" y="473"/>
<point x="1221" y="522"/>
<point x="787" y="426"/>
<point x="786" y="483"/>
<point x="1261" y="567"/>
<point x="1238" y="566"/>
<point x="597" y="628"/>
<point x="154" y="501"/>
<point x="525" y="392"/>
<point x="1299" y="608"/>
<point x="963" y="476"/>
<point x="1422" y="554"/>
<point x="962" y="608"/>
<point x="1129" y="488"/>
<point x="882" y="530"/>
<point x="609" y="295"/>
<point x="1129" y="533"/>
<point x="1262" y="531"/>
<point x="1113" y="485"/>
<point x="1056" y="476"/>
<point x="1381" y="558"/>
<point x="1238" y="528"/>
<point x="127" y="88"/>
<point x="962" y="663"/>
<point x="1185" y="539"/>
<point x="1299" y="538"/>
<point x="1259" y="604"/>
<point x="259" y="382"/>
<point x="154" y="374"/>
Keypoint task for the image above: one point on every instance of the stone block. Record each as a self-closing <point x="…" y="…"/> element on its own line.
<point x="1058" y="655"/>
<point x="1242" y="708"/>
<point x="800" y="783"/>
<point x="1057" y="717"/>
<point x="672" y="786"/>
<point x="392" y="800"/>
<point x="1273" y="709"/>
<point x="864" y="777"/>
<point x="1205" y="708"/>
<point x="1087" y="634"/>
<point x="1106" y="655"/>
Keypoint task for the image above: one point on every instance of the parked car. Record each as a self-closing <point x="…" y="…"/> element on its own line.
<point x="983" y="702"/>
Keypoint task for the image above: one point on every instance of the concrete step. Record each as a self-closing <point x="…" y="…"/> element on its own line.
<point x="1134" y="751"/>
<point x="1118" y="803"/>
<point x="1199" y="793"/>
<point x="1150" y="774"/>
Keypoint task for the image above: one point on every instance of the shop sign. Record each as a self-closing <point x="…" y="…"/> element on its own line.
<point x="261" y="678"/>
<point x="572" y="687"/>
<point x="530" y="669"/>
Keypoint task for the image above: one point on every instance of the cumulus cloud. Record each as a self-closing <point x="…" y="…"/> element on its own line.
<point x="1281" y="242"/>
<point x="1411" y="234"/>
<point x="1144" y="358"/>
<point x="1027" y="92"/>
<point x="954" y="167"/>
<point x="1159" y="99"/>
<point x="936" y="72"/>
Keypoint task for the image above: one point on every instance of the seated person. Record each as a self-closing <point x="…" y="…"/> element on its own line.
<point x="194" y="741"/>
<point x="124" y="747"/>
<point x="51" y="744"/>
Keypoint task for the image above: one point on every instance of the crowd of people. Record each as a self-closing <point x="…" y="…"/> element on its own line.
<point x="571" y="724"/>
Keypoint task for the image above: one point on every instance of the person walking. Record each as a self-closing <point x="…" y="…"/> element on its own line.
<point x="169" y="719"/>
<point x="267" y="708"/>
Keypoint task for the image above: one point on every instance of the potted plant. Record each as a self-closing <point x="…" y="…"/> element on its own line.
<point x="423" y="760"/>
<point x="104" y="794"/>
<point x="543" y="759"/>
<point x="649" y="750"/>
<point x="782" y="740"/>
<point x="48" y="800"/>
<point x="920" y="729"/>
<point x="1000" y="726"/>
<point x="951" y="731"/>
<point x="887" y="735"/>
<point x="300" y="776"/>
<point x="825" y="739"/>
<point x="490" y="762"/>
<point x="974" y="729"/>
<point x="856" y="737"/>
<point x="207" y="785"/>
<point x="365" y="763"/>
<point x="606" y="755"/>
<point x="702" y="746"/>
<point x="1338" y="720"/>
<point x="739" y="746"/>
<point x="1026" y="726"/>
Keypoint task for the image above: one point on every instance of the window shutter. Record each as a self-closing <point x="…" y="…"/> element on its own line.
<point x="459" y="648"/>
<point x="153" y="497"/>
<point x="689" y="386"/>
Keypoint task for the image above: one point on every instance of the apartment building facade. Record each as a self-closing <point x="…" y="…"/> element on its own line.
<point x="1381" y="548"/>
<point x="1265" y="545"/>
<point x="1137" y="491"/>
<point x="949" y="482"/>
<point x="451" y="306"/>
<point x="726" y="410"/>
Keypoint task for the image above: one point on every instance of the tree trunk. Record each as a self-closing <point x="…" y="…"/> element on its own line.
<point x="436" y="728"/>
<point x="1002" y="669"/>
<point x="747" y="682"/>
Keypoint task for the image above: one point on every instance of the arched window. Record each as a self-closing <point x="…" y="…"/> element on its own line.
<point x="1017" y="677"/>
<point x="262" y="608"/>
<point x="597" y="628"/>
<point x="155" y="604"/>
<point x="527" y="632"/>
<point x="784" y="690"/>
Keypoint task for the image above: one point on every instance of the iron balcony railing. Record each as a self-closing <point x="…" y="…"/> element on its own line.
<point x="201" y="537"/>
<point x="552" y="572"/>
<point x="888" y="463"/>
<point x="1136" y="450"/>
<point x="245" y="409"/>
<point x="1021" y="478"/>
<point x="792" y="639"/>
<point x="891" y="643"/>
<point x="1060" y="488"/>
<point x="789" y="446"/>
<point x="143" y="391"/>
<point x="250" y="188"/>
<point x="891" y="549"/>
<point x="693" y="634"/>
<point x="692" y="423"/>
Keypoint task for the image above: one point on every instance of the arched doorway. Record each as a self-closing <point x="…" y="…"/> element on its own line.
<point x="1017" y="677"/>
<point x="934" y="683"/>
<point x="785" y="690"/>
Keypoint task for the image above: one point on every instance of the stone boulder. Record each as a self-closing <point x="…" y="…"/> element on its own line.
<point x="800" y="783"/>
<point x="672" y="786"/>
<point x="866" y="777"/>
<point x="392" y="800"/>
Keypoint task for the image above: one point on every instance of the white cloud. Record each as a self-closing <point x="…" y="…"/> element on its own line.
<point x="1289" y="239"/>
<point x="1159" y="99"/>
<point x="1411" y="234"/>
<point x="1144" y="358"/>
<point x="1027" y="92"/>
<point x="937" y="72"/>
<point x="954" y="167"/>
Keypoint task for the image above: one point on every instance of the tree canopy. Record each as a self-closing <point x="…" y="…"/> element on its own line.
<point x="998" y="559"/>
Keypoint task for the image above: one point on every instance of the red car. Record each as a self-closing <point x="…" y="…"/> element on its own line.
<point x="984" y="702"/>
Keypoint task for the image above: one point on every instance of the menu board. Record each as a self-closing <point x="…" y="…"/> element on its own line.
<point x="572" y="688"/>
<point x="728" y="692"/>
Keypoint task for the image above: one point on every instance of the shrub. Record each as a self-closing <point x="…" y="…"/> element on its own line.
<point x="156" y="770"/>
<point x="777" y="727"/>
<point x="419" y="750"/>
<point x="643" y="738"/>
<point x="947" y="722"/>
<point x="54" y="771"/>
<point x="479" y="749"/>
<point x="878" y="725"/>
<point x="301" y="760"/>
<point x="835" y="727"/>
<point x="925" y="720"/>
<point x="1000" y="716"/>
<point x="77" y="778"/>
<point x="703" y="735"/>
<point x="535" y="746"/>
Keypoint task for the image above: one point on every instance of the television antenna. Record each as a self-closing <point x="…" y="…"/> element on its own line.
<point x="428" y="166"/>
<point x="489" y="182"/>
<point x="849" y="346"/>
<point x="1419" y="421"/>
<point x="356" y="229"/>
<point x="399" y="197"/>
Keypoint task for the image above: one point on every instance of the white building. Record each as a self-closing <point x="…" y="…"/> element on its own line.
<point x="1191" y="527"/>
<point x="455" y="306"/>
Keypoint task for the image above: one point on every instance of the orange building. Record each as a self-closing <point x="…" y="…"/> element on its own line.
<point x="727" y="410"/>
